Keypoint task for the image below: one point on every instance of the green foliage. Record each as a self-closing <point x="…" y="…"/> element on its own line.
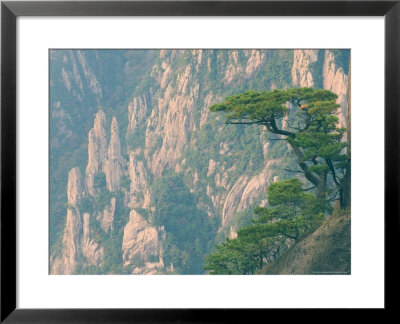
<point x="123" y="74"/>
<point x="125" y="182"/>
<point x="86" y="204"/>
<point x="100" y="181"/>
<point x="184" y="224"/>
<point x="342" y="58"/>
<point x="111" y="242"/>
<point x="312" y="130"/>
<point x="292" y="215"/>
<point x="267" y="105"/>
<point x="275" y="73"/>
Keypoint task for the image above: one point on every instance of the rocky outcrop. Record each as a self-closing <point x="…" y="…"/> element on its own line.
<point x="66" y="262"/>
<point x="77" y="247"/>
<point x="255" y="59"/>
<point x="102" y="159"/>
<point x="137" y="111"/>
<point x="232" y="232"/>
<point x="335" y="80"/>
<point x="233" y="68"/>
<point x="326" y="251"/>
<point x="232" y="199"/>
<point x="77" y="77"/>
<point x="301" y="74"/>
<point x="256" y="187"/>
<point x="141" y="245"/>
<point x="170" y="122"/>
<point x="97" y="150"/>
<point x="140" y="195"/>
<point x="114" y="164"/>
<point x="107" y="219"/>
<point x="75" y="187"/>
<point x="165" y="122"/>
<point x="90" y="248"/>
<point x="333" y="76"/>
<point x="90" y="77"/>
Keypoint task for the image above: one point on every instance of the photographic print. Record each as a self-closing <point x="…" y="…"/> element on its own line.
<point x="199" y="161"/>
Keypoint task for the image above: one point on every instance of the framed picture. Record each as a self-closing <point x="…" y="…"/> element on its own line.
<point x="208" y="144"/>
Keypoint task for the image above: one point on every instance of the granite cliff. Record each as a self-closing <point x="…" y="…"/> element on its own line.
<point x="138" y="132"/>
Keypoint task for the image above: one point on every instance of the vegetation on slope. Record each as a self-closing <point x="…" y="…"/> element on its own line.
<point x="323" y="158"/>
<point x="325" y="251"/>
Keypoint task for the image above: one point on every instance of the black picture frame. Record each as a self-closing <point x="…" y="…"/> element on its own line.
<point x="10" y="10"/>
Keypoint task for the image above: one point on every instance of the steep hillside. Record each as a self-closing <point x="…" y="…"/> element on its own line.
<point x="326" y="251"/>
<point x="143" y="177"/>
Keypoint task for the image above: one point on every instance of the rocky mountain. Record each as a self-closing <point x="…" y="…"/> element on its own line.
<point x="144" y="179"/>
<point x="309" y="256"/>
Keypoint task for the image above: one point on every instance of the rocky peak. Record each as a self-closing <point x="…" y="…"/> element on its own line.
<point x="107" y="221"/>
<point x="65" y="262"/>
<point x="137" y="110"/>
<point x="91" y="250"/>
<point x="335" y="80"/>
<point x="114" y="164"/>
<point x="301" y="74"/>
<point x="114" y="148"/>
<point x="140" y="195"/>
<point x="99" y="124"/>
<point x="102" y="159"/>
<point x="141" y="241"/>
<point x="97" y="144"/>
<point x="254" y="61"/>
<point x="75" y="186"/>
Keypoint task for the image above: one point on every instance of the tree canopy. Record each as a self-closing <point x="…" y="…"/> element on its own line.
<point x="306" y="118"/>
<point x="292" y="214"/>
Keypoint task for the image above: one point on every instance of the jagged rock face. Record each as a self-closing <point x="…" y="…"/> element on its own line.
<point x="140" y="194"/>
<point x="107" y="220"/>
<point x="77" y="246"/>
<point x="139" y="242"/>
<point x="114" y="149"/>
<point x="333" y="77"/>
<point x="102" y="159"/>
<point x="113" y="172"/>
<point x="232" y="233"/>
<point x="76" y="82"/>
<point x="97" y="150"/>
<point x="114" y="164"/>
<point x="90" y="249"/>
<point x="137" y="110"/>
<point x="65" y="263"/>
<point x="77" y="86"/>
<point x="335" y="80"/>
<point x="170" y="124"/>
<point x="90" y="77"/>
<point x="234" y="196"/>
<point x="301" y="74"/>
<point x="235" y="70"/>
<point x="75" y="187"/>
<point x="170" y="121"/>
<point x="169" y="115"/>
<point x="256" y="187"/>
<point x="254" y="61"/>
<point x="96" y="161"/>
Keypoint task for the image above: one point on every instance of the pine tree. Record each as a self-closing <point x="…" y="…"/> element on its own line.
<point x="312" y="132"/>
<point x="292" y="214"/>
